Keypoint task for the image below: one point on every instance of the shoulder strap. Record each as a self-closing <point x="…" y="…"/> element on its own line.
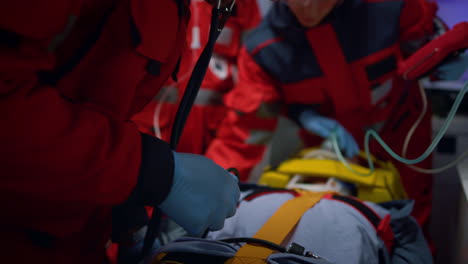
<point x="277" y="228"/>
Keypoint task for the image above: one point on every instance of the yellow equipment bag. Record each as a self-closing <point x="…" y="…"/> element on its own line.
<point x="381" y="186"/>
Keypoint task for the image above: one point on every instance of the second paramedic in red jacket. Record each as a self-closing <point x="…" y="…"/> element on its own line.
<point x="208" y="109"/>
<point x="72" y="74"/>
<point x="331" y="64"/>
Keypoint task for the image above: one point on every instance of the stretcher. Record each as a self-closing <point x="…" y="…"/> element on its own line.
<point x="280" y="226"/>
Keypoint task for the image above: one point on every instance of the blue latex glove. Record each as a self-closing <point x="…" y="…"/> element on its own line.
<point x="322" y="126"/>
<point x="453" y="69"/>
<point x="202" y="195"/>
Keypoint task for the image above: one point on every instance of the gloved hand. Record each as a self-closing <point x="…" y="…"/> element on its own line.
<point x="453" y="69"/>
<point x="322" y="126"/>
<point x="202" y="195"/>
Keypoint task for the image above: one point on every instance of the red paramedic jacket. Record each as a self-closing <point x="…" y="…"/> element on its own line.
<point x="205" y="115"/>
<point x="72" y="73"/>
<point x="345" y="68"/>
<point x="287" y="64"/>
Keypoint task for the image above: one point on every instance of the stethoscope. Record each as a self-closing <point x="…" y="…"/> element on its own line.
<point x="219" y="16"/>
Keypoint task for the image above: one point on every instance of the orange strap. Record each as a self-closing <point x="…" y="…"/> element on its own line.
<point x="277" y="228"/>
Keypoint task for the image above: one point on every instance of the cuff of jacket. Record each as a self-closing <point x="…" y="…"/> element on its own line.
<point x="156" y="172"/>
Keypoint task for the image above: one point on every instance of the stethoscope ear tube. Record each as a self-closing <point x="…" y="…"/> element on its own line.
<point x="218" y="19"/>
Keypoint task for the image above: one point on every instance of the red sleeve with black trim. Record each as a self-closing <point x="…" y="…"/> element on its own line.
<point x="64" y="159"/>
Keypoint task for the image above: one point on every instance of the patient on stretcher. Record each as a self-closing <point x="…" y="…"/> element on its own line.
<point x="338" y="228"/>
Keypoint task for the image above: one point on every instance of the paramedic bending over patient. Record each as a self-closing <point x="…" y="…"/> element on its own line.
<point x="70" y="153"/>
<point x="330" y="64"/>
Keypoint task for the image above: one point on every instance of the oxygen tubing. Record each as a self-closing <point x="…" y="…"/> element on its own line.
<point x="372" y="133"/>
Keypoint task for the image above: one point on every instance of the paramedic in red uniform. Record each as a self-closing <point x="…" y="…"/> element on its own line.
<point x="72" y="74"/>
<point x="331" y="64"/>
<point x="208" y="110"/>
